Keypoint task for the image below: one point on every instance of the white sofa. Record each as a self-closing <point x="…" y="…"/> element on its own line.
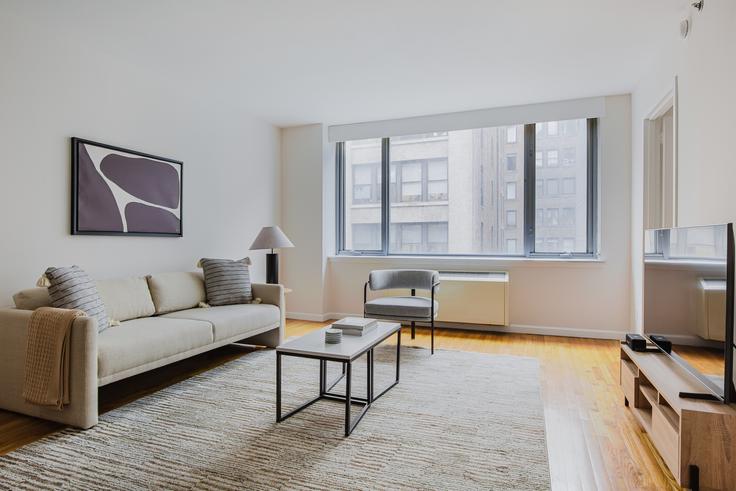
<point x="160" y="322"/>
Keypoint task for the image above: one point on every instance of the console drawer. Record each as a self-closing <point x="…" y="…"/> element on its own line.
<point x="666" y="438"/>
<point x="629" y="381"/>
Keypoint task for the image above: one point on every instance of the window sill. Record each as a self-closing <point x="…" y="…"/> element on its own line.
<point x="468" y="261"/>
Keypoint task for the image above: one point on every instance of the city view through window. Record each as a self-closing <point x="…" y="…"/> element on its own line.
<point x="462" y="192"/>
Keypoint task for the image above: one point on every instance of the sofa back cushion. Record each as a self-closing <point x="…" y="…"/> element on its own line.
<point x="126" y="298"/>
<point x="176" y="291"/>
<point x="32" y="298"/>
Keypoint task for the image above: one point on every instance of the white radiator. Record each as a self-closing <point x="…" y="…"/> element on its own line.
<point x="474" y="298"/>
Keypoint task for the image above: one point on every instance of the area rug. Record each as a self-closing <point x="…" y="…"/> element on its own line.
<point x="456" y="420"/>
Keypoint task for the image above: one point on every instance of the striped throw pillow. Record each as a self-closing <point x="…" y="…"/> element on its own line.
<point x="227" y="282"/>
<point x="71" y="288"/>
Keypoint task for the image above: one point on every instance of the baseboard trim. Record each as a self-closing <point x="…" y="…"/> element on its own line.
<point x="306" y="316"/>
<point x="569" y="332"/>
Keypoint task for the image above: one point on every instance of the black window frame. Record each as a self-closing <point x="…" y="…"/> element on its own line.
<point x="529" y="199"/>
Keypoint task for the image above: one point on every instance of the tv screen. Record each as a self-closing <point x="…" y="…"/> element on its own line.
<point x="688" y="298"/>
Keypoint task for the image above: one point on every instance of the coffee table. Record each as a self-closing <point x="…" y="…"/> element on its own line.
<point x="312" y="345"/>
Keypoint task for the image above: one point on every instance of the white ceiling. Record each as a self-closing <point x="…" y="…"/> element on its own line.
<point x="340" y="61"/>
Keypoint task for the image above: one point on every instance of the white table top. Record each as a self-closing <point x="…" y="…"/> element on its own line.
<point x="314" y="344"/>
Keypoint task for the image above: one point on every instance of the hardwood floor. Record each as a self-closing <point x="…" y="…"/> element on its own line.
<point x="592" y="439"/>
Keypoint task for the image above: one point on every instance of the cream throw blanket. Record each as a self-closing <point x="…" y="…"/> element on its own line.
<point x="46" y="380"/>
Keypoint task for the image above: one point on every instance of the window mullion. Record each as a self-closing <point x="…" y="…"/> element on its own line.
<point x="339" y="195"/>
<point x="592" y="185"/>
<point x="385" y="198"/>
<point x="530" y="187"/>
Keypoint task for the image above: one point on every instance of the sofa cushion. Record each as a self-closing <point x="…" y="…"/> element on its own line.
<point x="401" y="307"/>
<point x="176" y="291"/>
<point x="227" y="282"/>
<point x="140" y="341"/>
<point x="126" y="298"/>
<point x="232" y="320"/>
<point x="32" y="298"/>
<point x="71" y="288"/>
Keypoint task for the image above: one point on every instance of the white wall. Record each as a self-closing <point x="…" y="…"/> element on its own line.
<point x="576" y="298"/>
<point x="706" y="73"/>
<point x="303" y="150"/>
<point x="69" y="70"/>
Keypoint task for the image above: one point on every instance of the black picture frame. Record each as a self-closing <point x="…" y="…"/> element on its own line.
<point x="75" y="229"/>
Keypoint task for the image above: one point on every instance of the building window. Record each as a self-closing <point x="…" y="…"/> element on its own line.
<point x="539" y="217"/>
<point x="568" y="156"/>
<point x="568" y="185"/>
<point x="366" y="236"/>
<point x="552" y="217"/>
<point x="567" y="217"/>
<point x="488" y="213"/>
<point x="419" y="238"/>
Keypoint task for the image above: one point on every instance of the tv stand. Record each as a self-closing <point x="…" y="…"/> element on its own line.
<point x="695" y="438"/>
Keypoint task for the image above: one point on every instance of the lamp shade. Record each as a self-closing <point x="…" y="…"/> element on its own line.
<point x="271" y="238"/>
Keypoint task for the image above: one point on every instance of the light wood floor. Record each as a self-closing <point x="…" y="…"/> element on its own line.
<point x="592" y="439"/>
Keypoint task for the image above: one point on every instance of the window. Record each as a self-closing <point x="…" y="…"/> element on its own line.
<point x="568" y="189"/>
<point x="362" y="196"/>
<point x="394" y="193"/>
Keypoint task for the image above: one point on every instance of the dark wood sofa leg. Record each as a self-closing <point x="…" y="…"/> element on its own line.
<point x="413" y="330"/>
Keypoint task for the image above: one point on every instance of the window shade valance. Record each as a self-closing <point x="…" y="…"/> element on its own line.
<point x="593" y="107"/>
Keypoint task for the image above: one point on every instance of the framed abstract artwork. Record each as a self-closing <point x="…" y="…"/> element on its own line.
<point x="123" y="192"/>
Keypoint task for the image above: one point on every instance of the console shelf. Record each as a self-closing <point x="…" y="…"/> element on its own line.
<point x="696" y="439"/>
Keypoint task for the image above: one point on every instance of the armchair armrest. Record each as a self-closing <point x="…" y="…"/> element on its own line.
<point x="82" y="409"/>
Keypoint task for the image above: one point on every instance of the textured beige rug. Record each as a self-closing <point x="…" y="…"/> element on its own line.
<point x="457" y="420"/>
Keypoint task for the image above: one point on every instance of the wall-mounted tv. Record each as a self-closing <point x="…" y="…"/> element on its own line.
<point x="688" y="298"/>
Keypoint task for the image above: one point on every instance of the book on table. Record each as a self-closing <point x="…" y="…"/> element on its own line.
<point x="355" y="326"/>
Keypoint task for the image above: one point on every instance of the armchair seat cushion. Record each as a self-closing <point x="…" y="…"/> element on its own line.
<point x="401" y="307"/>
<point x="232" y="320"/>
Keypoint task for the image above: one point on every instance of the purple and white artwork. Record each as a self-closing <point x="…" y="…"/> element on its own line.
<point x="123" y="192"/>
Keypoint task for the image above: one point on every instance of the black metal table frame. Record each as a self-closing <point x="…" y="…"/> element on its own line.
<point x="347" y="372"/>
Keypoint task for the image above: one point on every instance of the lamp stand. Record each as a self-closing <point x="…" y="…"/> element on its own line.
<point x="272" y="267"/>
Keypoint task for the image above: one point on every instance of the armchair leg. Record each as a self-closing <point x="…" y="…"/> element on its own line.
<point x="413" y="330"/>
<point x="432" y="336"/>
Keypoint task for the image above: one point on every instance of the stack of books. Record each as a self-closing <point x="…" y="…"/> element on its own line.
<point x="355" y="326"/>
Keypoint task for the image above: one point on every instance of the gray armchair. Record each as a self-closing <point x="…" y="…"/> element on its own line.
<point x="408" y="308"/>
